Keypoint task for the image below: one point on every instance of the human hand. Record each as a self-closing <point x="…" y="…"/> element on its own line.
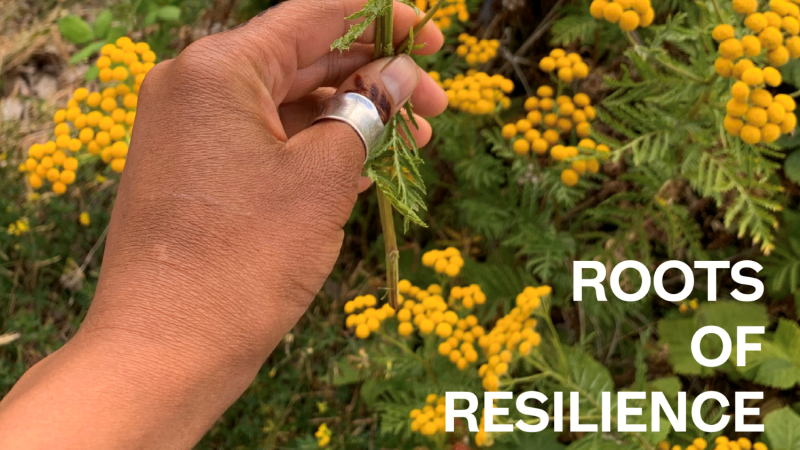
<point x="228" y="219"/>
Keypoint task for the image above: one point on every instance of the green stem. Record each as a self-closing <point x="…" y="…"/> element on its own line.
<point x="718" y="11"/>
<point x="392" y="253"/>
<point x="418" y="27"/>
<point x="678" y="70"/>
<point x="515" y="381"/>
<point x="703" y="98"/>
<point x="383" y="47"/>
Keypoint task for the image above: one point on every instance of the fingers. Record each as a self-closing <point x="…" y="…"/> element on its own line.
<point x="404" y="19"/>
<point x="298" y="33"/>
<point x="428" y="98"/>
<point x="329" y="71"/>
<point x="309" y="27"/>
<point x="300" y="114"/>
<point x="388" y="83"/>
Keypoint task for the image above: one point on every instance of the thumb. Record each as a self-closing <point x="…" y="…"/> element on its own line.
<point x="388" y="83"/>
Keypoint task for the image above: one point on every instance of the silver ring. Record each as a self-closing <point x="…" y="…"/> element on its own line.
<point x="357" y="111"/>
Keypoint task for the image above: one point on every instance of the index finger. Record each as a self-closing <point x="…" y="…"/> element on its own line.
<point x="307" y="28"/>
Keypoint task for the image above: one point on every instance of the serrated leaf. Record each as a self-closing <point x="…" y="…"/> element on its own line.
<point x="372" y="10"/>
<point x="791" y="167"/>
<point x="86" y="52"/>
<point x="778" y="363"/>
<point x="75" y="29"/>
<point x="102" y="24"/>
<point x="782" y="428"/>
<point x="677" y="333"/>
<point x="591" y="379"/>
<point x="394" y="168"/>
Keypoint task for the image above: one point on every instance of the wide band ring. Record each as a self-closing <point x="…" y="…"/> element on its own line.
<point x="357" y="111"/>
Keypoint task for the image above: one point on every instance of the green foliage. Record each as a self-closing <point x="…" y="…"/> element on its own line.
<point x="372" y="10"/>
<point x="75" y="29"/>
<point x="677" y="333"/>
<point x="782" y="428"/>
<point x="777" y="365"/>
<point x="792" y="166"/>
<point x="782" y="268"/>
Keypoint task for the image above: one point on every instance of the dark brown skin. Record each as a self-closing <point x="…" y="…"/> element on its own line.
<point x="228" y="220"/>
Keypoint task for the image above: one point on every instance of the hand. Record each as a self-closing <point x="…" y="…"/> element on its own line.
<point x="228" y="219"/>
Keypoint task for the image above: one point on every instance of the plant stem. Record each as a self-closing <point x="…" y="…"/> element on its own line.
<point x="703" y="99"/>
<point x="718" y="11"/>
<point x="383" y="47"/>
<point x="418" y="27"/>
<point x="390" y="243"/>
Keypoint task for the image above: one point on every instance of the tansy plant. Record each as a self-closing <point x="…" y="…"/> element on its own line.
<point x="394" y="165"/>
<point x="94" y="123"/>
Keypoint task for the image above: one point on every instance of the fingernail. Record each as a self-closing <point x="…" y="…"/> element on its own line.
<point x="400" y="77"/>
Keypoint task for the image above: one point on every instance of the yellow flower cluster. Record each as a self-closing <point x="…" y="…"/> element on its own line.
<point x="430" y="419"/>
<point x="578" y="167"/>
<point x="476" y="92"/>
<point x="323" y="435"/>
<point x="629" y="14"/>
<point x="721" y="443"/>
<point x="50" y="161"/>
<point x="84" y="219"/>
<point x="98" y="122"/>
<point x="482" y="438"/>
<point x="513" y="332"/>
<point x="19" y="227"/>
<point x="777" y="32"/>
<point x="429" y="311"/>
<point x="466" y="297"/>
<point x="447" y="261"/>
<point x="476" y="51"/>
<point x="568" y="66"/>
<point x="459" y="344"/>
<point x="692" y="305"/>
<point x="755" y="115"/>
<point x="368" y="321"/>
<point x="444" y="16"/>
<point x="431" y="315"/>
<point x="556" y="117"/>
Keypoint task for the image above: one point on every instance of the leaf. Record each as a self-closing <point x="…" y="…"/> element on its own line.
<point x="102" y="24"/>
<point x="590" y="379"/>
<point x="150" y="18"/>
<point x="778" y="363"/>
<point x="92" y="73"/>
<point x="677" y="333"/>
<point x="169" y="13"/>
<point x="116" y="33"/>
<point x="86" y="52"/>
<point x="371" y="11"/>
<point x="344" y="373"/>
<point x="791" y="73"/>
<point x="782" y="428"/>
<point x="791" y="166"/>
<point x="75" y="29"/>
